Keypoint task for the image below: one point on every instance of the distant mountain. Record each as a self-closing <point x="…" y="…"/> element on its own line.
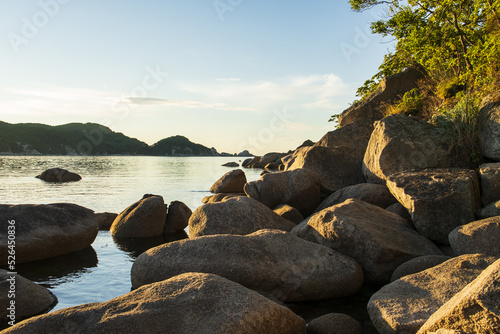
<point x="180" y="146"/>
<point x="88" y="139"/>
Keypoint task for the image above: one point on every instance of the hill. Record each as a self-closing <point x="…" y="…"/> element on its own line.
<point x="87" y="139"/>
<point x="180" y="146"/>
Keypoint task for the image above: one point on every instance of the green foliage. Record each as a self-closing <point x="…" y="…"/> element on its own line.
<point x="461" y="124"/>
<point x="454" y="40"/>
<point x="411" y="103"/>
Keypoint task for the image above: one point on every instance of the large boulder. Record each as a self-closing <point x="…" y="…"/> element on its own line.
<point x="475" y="309"/>
<point x="188" y="303"/>
<point x="480" y="236"/>
<point x="239" y="215"/>
<point x="389" y="90"/>
<point x="379" y="240"/>
<point x="231" y="182"/>
<point x="489" y="134"/>
<point x="439" y="200"/>
<point x="417" y="265"/>
<point x="178" y="215"/>
<point x="405" y="305"/>
<point x="298" y="188"/>
<point x="272" y="262"/>
<point x="376" y="194"/>
<point x="490" y="183"/>
<point x="44" y="231"/>
<point x="143" y="219"/>
<point x="220" y="197"/>
<point x="399" y="143"/>
<point x="272" y="157"/>
<point x="58" y="175"/>
<point x="337" y="158"/>
<point x="21" y="298"/>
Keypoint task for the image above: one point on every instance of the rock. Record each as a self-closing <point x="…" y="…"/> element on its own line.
<point x="254" y="162"/>
<point x="220" y="197"/>
<point x="58" y="175"/>
<point x="231" y="164"/>
<point x="379" y="240"/>
<point x="306" y="143"/>
<point x="337" y="158"/>
<point x="177" y="217"/>
<point x="480" y="236"/>
<point x="376" y="194"/>
<point x="299" y="188"/>
<point x="290" y="213"/>
<point x="417" y="265"/>
<point x="404" y="305"/>
<point x="272" y="262"/>
<point x="491" y="210"/>
<point x="401" y="211"/>
<point x="189" y="303"/>
<point x="272" y="166"/>
<point x="271" y="157"/>
<point x="44" y="231"/>
<point x="399" y="143"/>
<point x="143" y="219"/>
<point x="438" y="200"/>
<point x="334" y="323"/>
<point x="475" y="309"/>
<point x="448" y="331"/>
<point x="30" y="298"/>
<point x="105" y="220"/>
<point x="490" y="183"/>
<point x="489" y="133"/>
<point x="239" y="215"/>
<point x="389" y="90"/>
<point x="231" y="182"/>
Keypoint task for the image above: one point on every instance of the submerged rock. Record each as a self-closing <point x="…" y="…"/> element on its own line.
<point x="58" y="175"/>
<point x="30" y="298"/>
<point x="188" y="303"/>
<point x="46" y="230"/>
<point x="272" y="262"/>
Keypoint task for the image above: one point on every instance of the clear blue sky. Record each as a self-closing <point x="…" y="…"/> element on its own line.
<point x="232" y="74"/>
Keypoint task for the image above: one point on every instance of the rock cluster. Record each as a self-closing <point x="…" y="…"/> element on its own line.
<point x="378" y="202"/>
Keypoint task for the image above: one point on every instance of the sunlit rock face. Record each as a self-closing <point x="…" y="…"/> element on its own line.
<point x="407" y="303"/>
<point x="182" y="304"/>
<point x="475" y="309"/>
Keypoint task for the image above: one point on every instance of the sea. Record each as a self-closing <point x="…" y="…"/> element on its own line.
<point x="109" y="184"/>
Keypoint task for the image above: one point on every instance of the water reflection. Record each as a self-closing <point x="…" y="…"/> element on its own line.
<point x="56" y="270"/>
<point x="136" y="246"/>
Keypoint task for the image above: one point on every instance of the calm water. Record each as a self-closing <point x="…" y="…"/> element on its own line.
<point x="109" y="184"/>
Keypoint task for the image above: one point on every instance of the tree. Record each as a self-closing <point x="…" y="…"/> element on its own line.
<point x="456" y="41"/>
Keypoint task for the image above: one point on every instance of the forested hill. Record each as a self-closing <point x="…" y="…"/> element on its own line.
<point x="87" y="139"/>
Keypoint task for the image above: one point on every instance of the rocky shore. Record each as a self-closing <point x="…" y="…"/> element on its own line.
<point x="378" y="205"/>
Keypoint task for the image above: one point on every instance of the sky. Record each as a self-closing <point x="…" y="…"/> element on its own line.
<point x="236" y="75"/>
